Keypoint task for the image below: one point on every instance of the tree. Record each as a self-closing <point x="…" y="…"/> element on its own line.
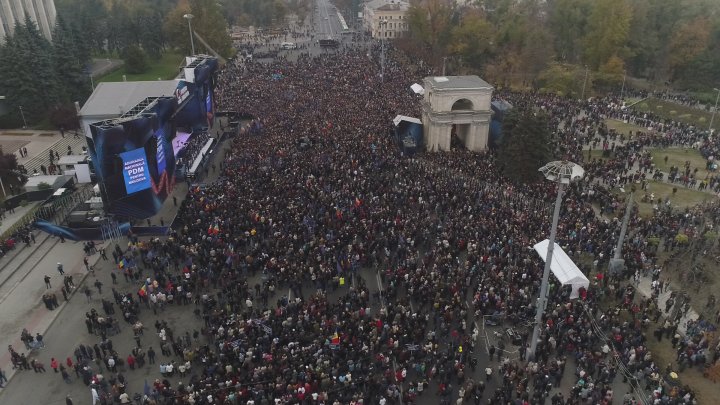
<point x="30" y="78"/>
<point x="208" y="22"/>
<point x="525" y="145"/>
<point x="689" y="41"/>
<point x="69" y="65"/>
<point x="564" y="80"/>
<point x="430" y="23"/>
<point x="610" y="75"/>
<point x="472" y="39"/>
<point x="607" y="34"/>
<point x="135" y="60"/>
<point x="567" y="22"/>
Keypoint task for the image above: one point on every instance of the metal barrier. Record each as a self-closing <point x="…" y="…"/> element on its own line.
<point x="57" y="212"/>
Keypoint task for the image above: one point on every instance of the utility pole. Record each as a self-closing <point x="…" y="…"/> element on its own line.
<point x="712" y="118"/>
<point x="444" y="59"/>
<point x="622" y="90"/>
<point x="189" y="17"/>
<point x="617" y="263"/>
<point x="563" y="173"/>
<point x="22" y="114"/>
<point x="584" y="83"/>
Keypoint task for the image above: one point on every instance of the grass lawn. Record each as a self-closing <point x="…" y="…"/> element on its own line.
<point x="621" y="127"/>
<point x="683" y="198"/>
<point x="166" y="68"/>
<point x="677" y="157"/>
<point x="674" y="111"/>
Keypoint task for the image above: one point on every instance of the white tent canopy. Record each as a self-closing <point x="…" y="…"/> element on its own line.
<point x="418" y="89"/>
<point x="563" y="267"/>
<point x="400" y="118"/>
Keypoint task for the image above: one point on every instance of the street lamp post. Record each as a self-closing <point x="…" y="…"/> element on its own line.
<point x="712" y="118"/>
<point x="562" y="172"/>
<point x="584" y="83"/>
<point x="189" y="17"/>
<point x="22" y="114"/>
<point x="622" y="90"/>
<point x="444" y="60"/>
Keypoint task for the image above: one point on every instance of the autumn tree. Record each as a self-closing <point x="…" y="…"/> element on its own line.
<point x="472" y="39"/>
<point x="208" y="22"/>
<point x="689" y="41"/>
<point x="430" y="24"/>
<point x="607" y="33"/>
<point x="565" y="80"/>
<point x="567" y="23"/>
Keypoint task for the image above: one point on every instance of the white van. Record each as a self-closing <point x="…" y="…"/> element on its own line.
<point x="288" y="45"/>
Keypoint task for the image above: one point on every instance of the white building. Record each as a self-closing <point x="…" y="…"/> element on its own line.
<point x="385" y="18"/>
<point x="42" y="12"/>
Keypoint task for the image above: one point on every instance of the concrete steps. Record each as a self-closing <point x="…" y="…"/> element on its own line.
<point x="60" y="147"/>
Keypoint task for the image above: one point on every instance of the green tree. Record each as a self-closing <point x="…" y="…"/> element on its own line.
<point x="208" y="22"/>
<point x="472" y="39"/>
<point x="135" y="60"/>
<point x="69" y="65"/>
<point x="564" y="80"/>
<point x="430" y="24"/>
<point x="567" y="22"/>
<point x="607" y="33"/>
<point x="27" y="64"/>
<point x="687" y="42"/>
<point x="525" y="145"/>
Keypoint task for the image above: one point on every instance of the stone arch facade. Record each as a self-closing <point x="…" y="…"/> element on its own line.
<point x="460" y="101"/>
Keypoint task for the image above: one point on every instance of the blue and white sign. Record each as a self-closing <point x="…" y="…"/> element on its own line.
<point x="135" y="170"/>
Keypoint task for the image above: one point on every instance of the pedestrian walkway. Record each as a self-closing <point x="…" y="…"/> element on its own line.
<point x="38" y="143"/>
<point x="18" y="213"/>
<point x="646" y="289"/>
<point x="22" y="303"/>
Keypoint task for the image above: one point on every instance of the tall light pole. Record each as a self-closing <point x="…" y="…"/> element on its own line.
<point x="383" y="24"/>
<point x="561" y="172"/>
<point x="622" y="90"/>
<point x="444" y="59"/>
<point x="22" y="114"/>
<point x="617" y="263"/>
<point x="584" y="83"/>
<point x="189" y="17"/>
<point x="712" y="118"/>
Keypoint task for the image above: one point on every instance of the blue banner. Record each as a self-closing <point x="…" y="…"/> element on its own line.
<point x="135" y="170"/>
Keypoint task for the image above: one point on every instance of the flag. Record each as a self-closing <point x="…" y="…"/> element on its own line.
<point x="121" y="264"/>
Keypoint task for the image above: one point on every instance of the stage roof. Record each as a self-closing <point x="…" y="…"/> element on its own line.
<point x="116" y="98"/>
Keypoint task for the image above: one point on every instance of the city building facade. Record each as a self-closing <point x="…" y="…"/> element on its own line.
<point x="386" y="19"/>
<point x="12" y="12"/>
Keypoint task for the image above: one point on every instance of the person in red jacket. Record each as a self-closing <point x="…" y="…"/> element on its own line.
<point x="131" y="361"/>
<point x="54" y="364"/>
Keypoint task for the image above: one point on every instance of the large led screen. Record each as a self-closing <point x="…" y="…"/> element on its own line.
<point x="135" y="163"/>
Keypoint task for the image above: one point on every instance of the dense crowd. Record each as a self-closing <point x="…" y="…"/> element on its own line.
<point x="446" y="234"/>
<point x="191" y="149"/>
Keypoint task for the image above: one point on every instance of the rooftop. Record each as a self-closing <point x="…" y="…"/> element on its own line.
<point x="387" y="5"/>
<point x="457" y="82"/>
<point x="116" y="98"/>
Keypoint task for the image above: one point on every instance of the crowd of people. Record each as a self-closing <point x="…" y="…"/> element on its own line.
<point x="191" y="149"/>
<point x="445" y="234"/>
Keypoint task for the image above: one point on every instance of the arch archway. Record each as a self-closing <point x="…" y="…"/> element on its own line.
<point x="462" y="104"/>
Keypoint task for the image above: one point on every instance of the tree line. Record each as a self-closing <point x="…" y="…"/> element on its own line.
<point x="550" y="44"/>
